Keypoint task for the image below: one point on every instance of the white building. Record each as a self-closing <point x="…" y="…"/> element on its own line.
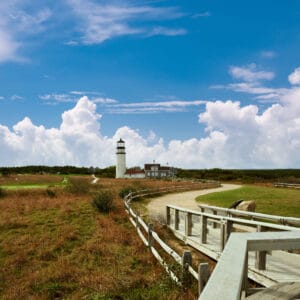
<point x="150" y="170"/>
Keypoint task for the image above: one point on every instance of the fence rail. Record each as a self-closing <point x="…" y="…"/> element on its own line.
<point x="249" y="215"/>
<point x="229" y="279"/>
<point x="287" y="185"/>
<point x="149" y="237"/>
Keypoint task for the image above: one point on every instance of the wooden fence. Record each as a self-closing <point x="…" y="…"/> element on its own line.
<point x="151" y="239"/>
<point x="287" y="185"/>
<point x="229" y="279"/>
<point x="249" y="215"/>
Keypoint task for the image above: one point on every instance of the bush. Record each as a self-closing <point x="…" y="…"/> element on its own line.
<point x="103" y="201"/>
<point x="2" y="192"/>
<point x="50" y="193"/>
<point x="126" y="190"/>
<point x="78" y="186"/>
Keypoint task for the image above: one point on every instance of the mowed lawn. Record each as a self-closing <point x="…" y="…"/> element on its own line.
<point x="55" y="245"/>
<point x="269" y="200"/>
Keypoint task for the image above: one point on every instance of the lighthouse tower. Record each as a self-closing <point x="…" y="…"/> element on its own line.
<point x="121" y="159"/>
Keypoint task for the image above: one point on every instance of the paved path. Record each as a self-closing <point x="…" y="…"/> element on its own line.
<point x="157" y="206"/>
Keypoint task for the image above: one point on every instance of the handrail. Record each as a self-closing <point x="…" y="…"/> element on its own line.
<point x="139" y="224"/>
<point x="234" y="220"/>
<point x="228" y="279"/>
<point x="253" y="215"/>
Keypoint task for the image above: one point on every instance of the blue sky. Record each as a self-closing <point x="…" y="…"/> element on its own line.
<point x="158" y="72"/>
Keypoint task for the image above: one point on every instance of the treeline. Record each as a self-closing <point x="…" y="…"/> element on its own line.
<point x="63" y="170"/>
<point x="287" y="175"/>
<point x="283" y="175"/>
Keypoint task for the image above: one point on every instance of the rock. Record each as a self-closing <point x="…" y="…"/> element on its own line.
<point x="247" y="206"/>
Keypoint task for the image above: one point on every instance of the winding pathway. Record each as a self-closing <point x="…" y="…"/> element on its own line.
<point x="157" y="206"/>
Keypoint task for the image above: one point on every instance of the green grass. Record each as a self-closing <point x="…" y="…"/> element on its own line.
<point x="275" y="201"/>
<point x="31" y="186"/>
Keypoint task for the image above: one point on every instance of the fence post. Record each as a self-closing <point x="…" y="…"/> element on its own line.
<point x="245" y="275"/>
<point x="150" y="237"/>
<point x="186" y="261"/>
<point x="260" y="256"/>
<point x="188" y="224"/>
<point x="222" y="235"/>
<point x="228" y="229"/>
<point x="204" y="230"/>
<point x="214" y="225"/>
<point x="203" y="275"/>
<point x="137" y="220"/>
<point x="168" y="212"/>
<point x="176" y="225"/>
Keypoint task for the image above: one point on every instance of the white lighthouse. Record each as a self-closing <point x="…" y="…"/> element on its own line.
<point x="121" y="159"/>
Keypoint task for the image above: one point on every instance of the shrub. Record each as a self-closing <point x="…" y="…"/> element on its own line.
<point x="126" y="190"/>
<point x="50" y="193"/>
<point x="103" y="201"/>
<point x="78" y="186"/>
<point x="2" y="192"/>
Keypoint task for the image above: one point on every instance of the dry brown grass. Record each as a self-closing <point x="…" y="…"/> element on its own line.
<point x="61" y="247"/>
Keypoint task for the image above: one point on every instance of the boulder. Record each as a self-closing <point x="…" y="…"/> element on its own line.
<point x="247" y="206"/>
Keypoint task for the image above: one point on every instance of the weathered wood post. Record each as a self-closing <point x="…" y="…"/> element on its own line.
<point x="203" y="229"/>
<point x="150" y="237"/>
<point x="203" y="275"/>
<point x="245" y="275"/>
<point x="260" y="256"/>
<point x="222" y="235"/>
<point x="228" y="229"/>
<point x="188" y="224"/>
<point x="214" y="225"/>
<point x="168" y="213"/>
<point x="176" y="217"/>
<point x="186" y="261"/>
<point x="137" y="215"/>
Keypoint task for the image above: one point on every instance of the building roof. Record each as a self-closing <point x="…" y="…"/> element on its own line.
<point x="134" y="171"/>
<point x="160" y="168"/>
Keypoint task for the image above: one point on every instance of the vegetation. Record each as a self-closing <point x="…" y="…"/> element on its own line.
<point x="103" y="201"/>
<point x="245" y="176"/>
<point x="108" y="172"/>
<point x="55" y="245"/>
<point x="269" y="200"/>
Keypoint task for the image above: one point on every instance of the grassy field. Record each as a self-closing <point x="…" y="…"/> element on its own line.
<point x="276" y="201"/>
<point x="55" y="245"/>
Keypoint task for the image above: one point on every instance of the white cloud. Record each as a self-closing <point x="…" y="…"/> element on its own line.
<point x="294" y="78"/>
<point x="268" y="54"/>
<point x="202" y="15"/>
<point x="16" y="97"/>
<point x="250" y="73"/>
<point x="236" y="137"/>
<point x="16" y="24"/>
<point x="167" y="31"/>
<point x="102" y="21"/>
<point x="154" y="107"/>
<point x="73" y="97"/>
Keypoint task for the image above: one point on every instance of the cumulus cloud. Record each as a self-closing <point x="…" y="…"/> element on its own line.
<point x="236" y="137"/>
<point x="294" y="78"/>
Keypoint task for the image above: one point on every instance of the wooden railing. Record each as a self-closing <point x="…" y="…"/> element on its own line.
<point x="249" y="215"/>
<point x="229" y="278"/>
<point x="287" y="185"/>
<point x="151" y="239"/>
<point x="180" y="221"/>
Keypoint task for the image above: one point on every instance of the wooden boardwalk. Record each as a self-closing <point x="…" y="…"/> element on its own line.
<point x="281" y="266"/>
